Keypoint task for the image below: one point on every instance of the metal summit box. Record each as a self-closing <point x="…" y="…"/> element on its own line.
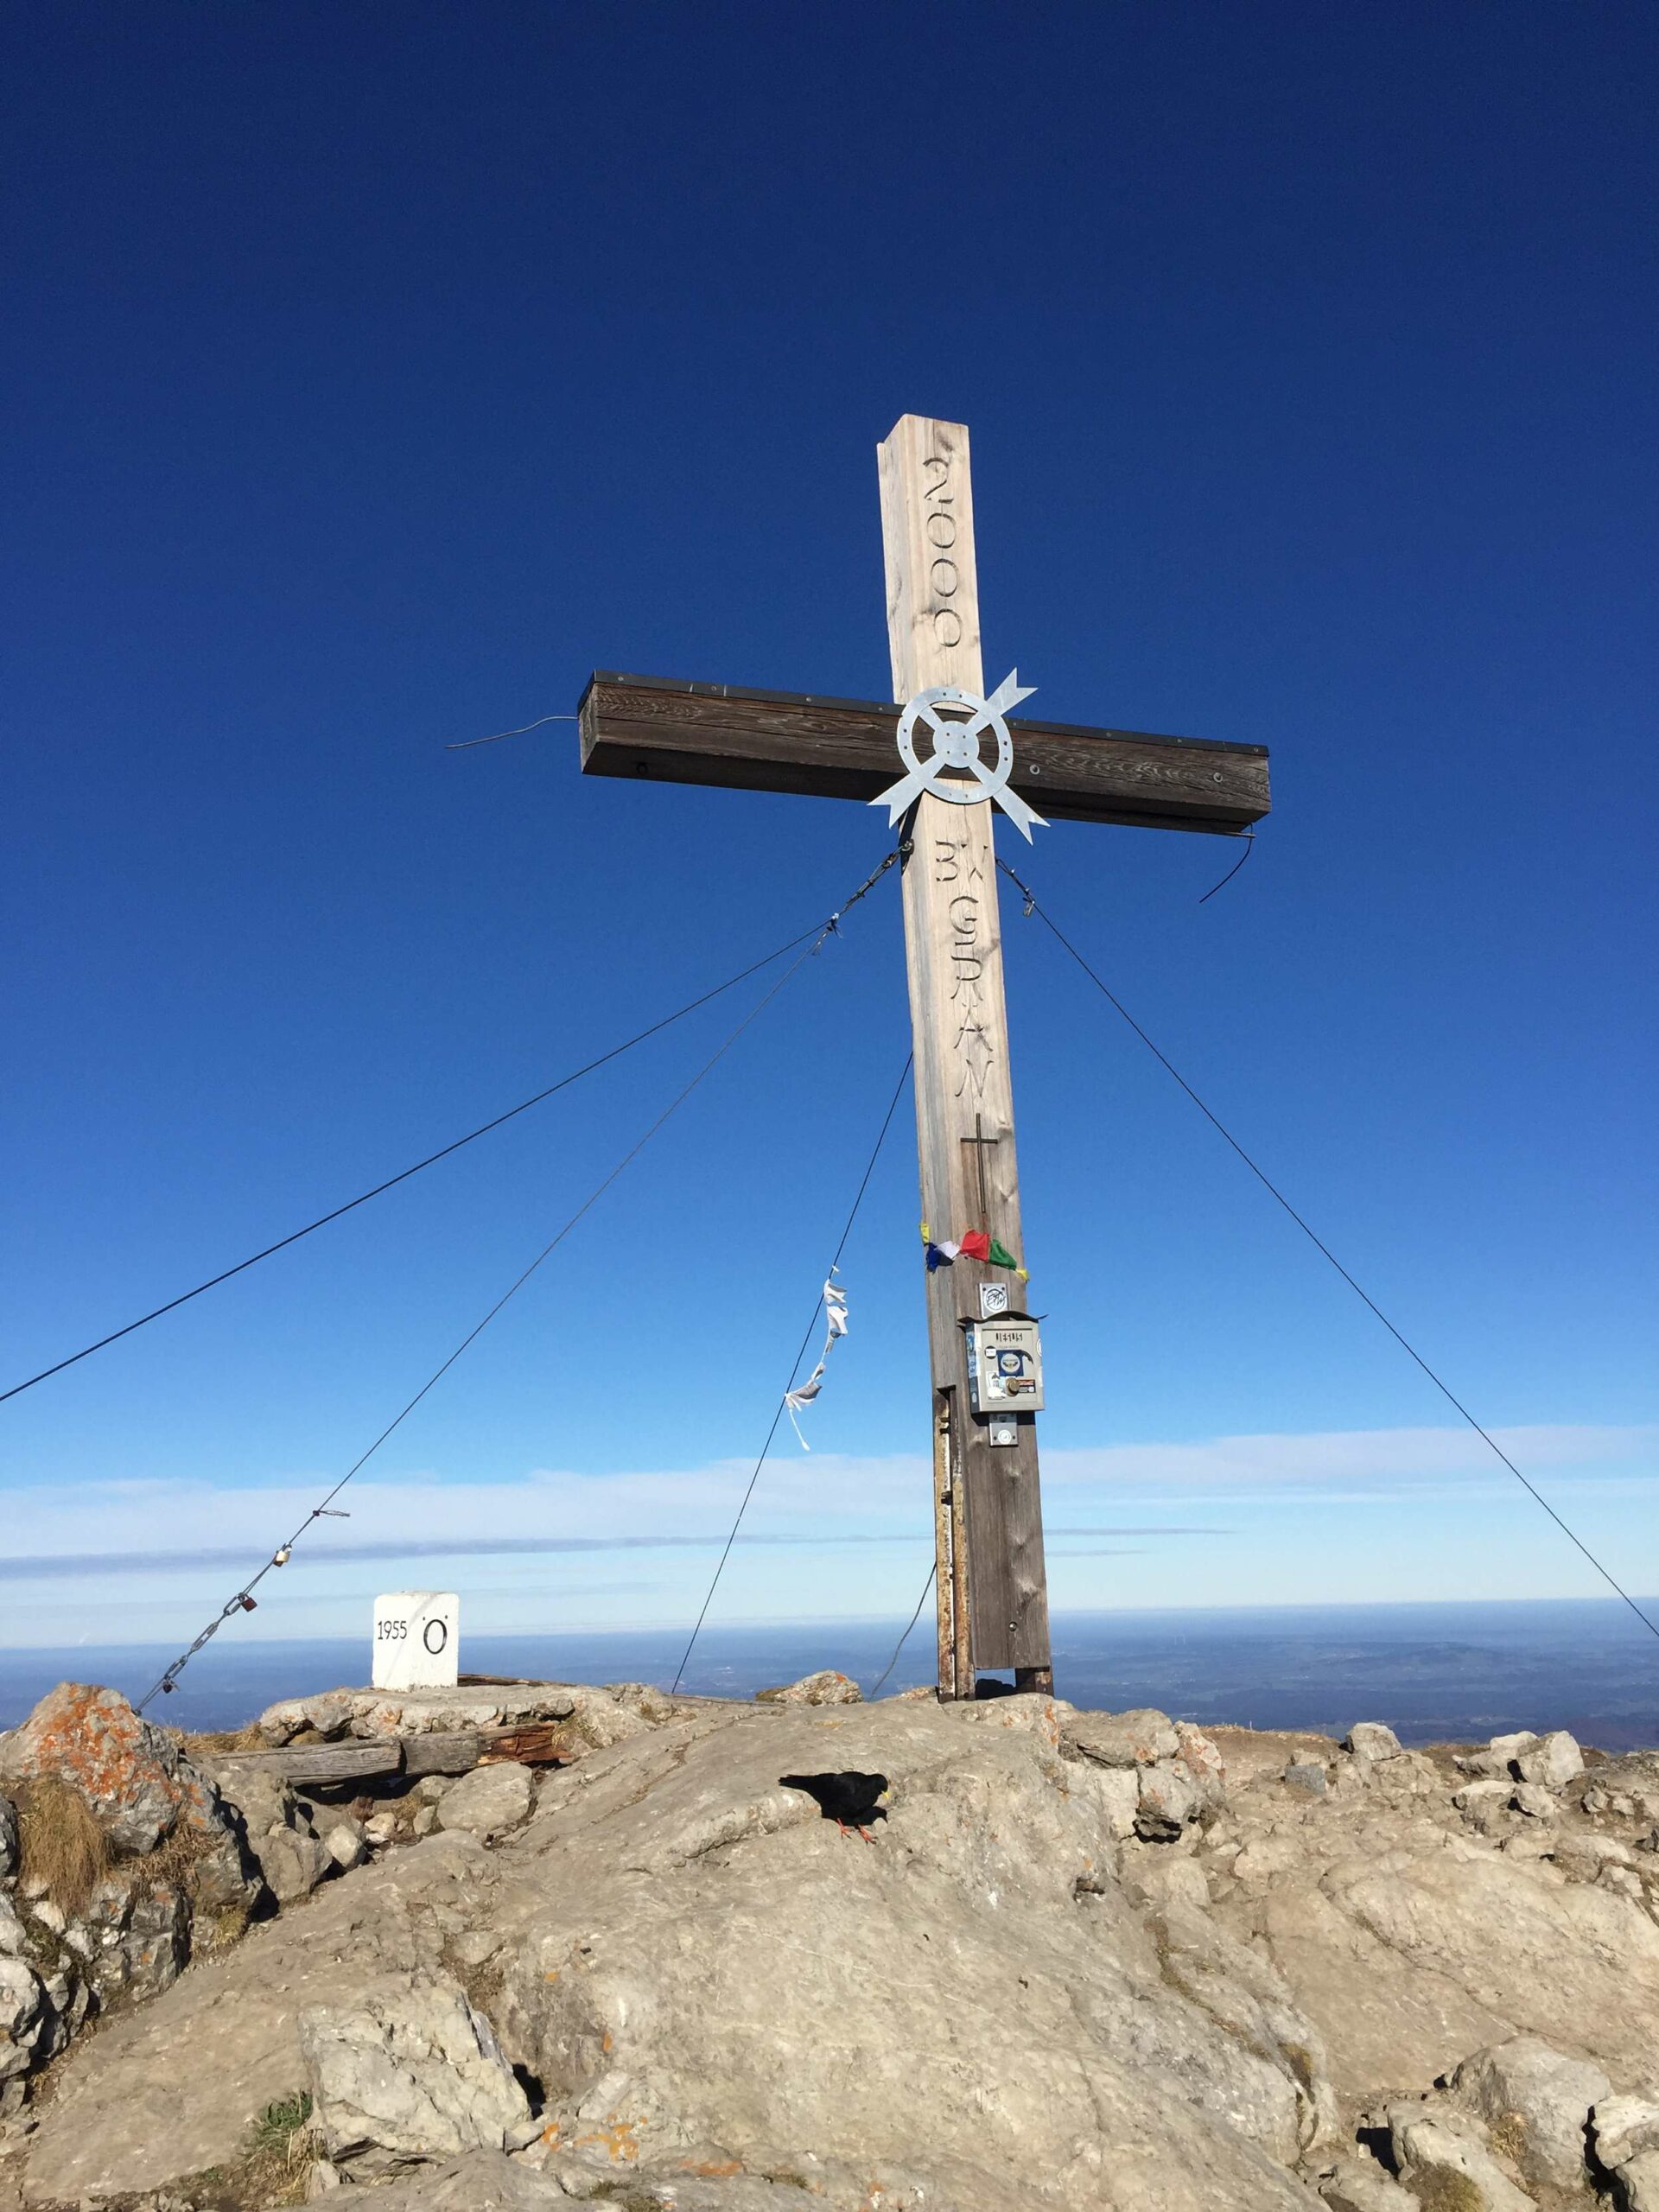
<point x="1005" y="1365"/>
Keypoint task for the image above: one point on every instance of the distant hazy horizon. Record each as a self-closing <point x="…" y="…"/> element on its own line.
<point x="1434" y="1672"/>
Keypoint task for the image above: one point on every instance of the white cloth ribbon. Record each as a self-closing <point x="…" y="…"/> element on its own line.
<point x="834" y="1313"/>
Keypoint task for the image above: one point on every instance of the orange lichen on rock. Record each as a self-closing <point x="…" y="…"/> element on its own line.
<point x="618" y="2139"/>
<point x="124" y="1769"/>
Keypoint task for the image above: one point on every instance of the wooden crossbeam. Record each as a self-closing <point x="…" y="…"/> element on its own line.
<point x="654" y="729"/>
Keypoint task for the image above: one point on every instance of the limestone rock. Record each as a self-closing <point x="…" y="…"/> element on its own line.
<point x="764" y="1932"/>
<point x="672" y="1916"/>
<point x="1167" y="1797"/>
<point x="275" y="1832"/>
<point x="827" y="1687"/>
<point x="1202" y="1762"/>
<point x="1624" y="2128"/>
<point x="1045" y="1717"/>
<point x="1307" y="1775"/>
<point x="136" y="1936"/>
<point x="1435" y="2154"/>
<point x="25" y="2016"/>
<point x="1167" y="1880"/>
<point x="1371" y="1739"/>
<point x="1492" y="1789"/>
<point x="1637" y="2183"/>
<point x="469" y="1706"/>
<point x="487" y="1801"/>
<point x="1582" y="1854"/>
<point x="600" y="1720"/>
<point x="1411" y="1945"/>
<point x="485" y="2180"/>
<point x="1360" y="2185"/>
<point x="1549" y="2095"/>
<point x="1534" y="1800"/>
<point x="1508" y="1748"/>
<point x="1247" y="1996"/>
<point x="344" y="1841"/>
<point x="408" y="2070"/>
<point x="1137" y="1738"/>
<point x="328" y="1715"/>
<point x="1003" y="1998"/>
<point x="1553" y="1761"/>
<point x="1114" y="1790"/>
<point x="92" y="1740"/>
<point x="645" y="1699"/>
<point x="1495" y="1758"/>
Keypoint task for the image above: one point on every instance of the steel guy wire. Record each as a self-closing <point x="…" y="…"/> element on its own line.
<point x="244" y="1600"/>
<point x="460" y="744"/>
<point x="432" y="1158"/>
<point x="1320" y="1246"/>
<point x="1250" y="841"/>
<point x="806" y="1338"/>
<point x="881" y="1678"/>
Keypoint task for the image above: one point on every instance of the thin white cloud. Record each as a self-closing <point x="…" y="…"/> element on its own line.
<point x="827" y="1496"/>
<point x="1371" y="1457"/>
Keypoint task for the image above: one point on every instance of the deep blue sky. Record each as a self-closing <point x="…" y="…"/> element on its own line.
<point x="376" y="372"/>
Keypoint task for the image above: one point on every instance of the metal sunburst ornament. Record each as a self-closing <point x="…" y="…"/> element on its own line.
<point x="955" y="722"/>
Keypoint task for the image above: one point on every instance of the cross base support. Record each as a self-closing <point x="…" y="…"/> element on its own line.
<point x="958" y="1678"/>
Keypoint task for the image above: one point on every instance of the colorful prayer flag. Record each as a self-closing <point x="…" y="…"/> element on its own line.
<point x="975" y="1245"/>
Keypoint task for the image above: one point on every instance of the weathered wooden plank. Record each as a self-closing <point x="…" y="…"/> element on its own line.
<point x="438" y="1751"/>
<point x="650" y="728"/>
<point x="533" y="1743"/>
<point x="953" y="948"/>
<point x="962" y="1626"/>
<point x="943" y="1586"/>
<point x="313" y="1765"/>
<point x="444" y="1751"/>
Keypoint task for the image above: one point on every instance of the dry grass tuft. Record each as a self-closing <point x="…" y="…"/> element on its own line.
<point x="1440" y="2190"/>
<point x="60" y="1843"/>
<point x="1508" y="2137"/>
<point x="175" y="1854"/>
<point x="281" y="2150"/>
<point x="224" y="1739"/>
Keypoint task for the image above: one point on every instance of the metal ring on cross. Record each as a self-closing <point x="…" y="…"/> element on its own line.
<point x="953" y="723"/>
<point x="954" y="743"/>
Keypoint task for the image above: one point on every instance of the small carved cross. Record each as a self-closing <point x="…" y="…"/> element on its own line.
<point x="977" y="1145"/>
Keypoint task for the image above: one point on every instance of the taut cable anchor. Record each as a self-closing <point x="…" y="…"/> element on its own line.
<point x="244" y="1600"/>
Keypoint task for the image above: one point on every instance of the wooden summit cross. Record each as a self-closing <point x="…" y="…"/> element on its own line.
<point x="992" y="1597"/>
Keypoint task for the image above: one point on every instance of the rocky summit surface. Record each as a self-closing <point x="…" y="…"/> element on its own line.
<point x="1046" y="1958"/>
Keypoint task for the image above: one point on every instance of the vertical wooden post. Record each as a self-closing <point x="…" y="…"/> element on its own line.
<point x="964" y="1098"/>
<point x="961" y="1608"/>
<point x="944" y="1582"/>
